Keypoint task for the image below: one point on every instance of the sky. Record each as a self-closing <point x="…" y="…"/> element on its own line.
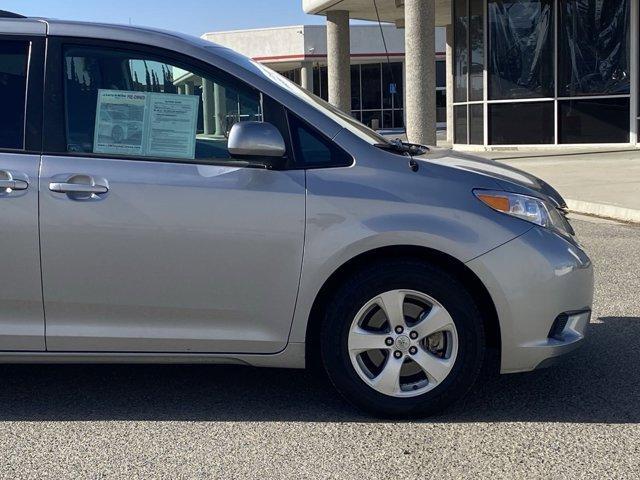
<point x="194" y="17"/>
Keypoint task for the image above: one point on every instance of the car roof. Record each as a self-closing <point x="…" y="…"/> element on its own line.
<point x="222" y="57"/>
<point x="127" y="33"/>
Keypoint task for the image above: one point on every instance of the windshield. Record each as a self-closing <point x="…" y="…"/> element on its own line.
<point x="341" y="118"/>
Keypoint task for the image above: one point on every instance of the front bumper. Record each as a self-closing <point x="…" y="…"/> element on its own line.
<point x="533" y="280"/>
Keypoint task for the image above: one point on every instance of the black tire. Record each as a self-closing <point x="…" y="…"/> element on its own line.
<point x="391" y="275"/>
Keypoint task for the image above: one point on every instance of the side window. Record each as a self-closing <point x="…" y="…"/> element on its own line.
<point x="124" y="103"/>
<point x="314" y="150"/>
<point x="13" y="90"/>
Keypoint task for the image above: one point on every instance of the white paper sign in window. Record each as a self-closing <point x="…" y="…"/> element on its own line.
<point x="146" y="124"/>
<point x="172" y="125"/>
<point x="120" y="118"/>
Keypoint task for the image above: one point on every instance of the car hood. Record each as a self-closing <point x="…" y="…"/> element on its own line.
<point x="509" y="178"/>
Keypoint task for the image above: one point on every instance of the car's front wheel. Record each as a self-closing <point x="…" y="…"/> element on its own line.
<point x="402" y="338"/>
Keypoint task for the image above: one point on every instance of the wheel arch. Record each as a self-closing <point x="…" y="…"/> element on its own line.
<point x="427" y="255"/>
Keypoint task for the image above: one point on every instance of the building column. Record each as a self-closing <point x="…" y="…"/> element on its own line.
<point x="339" y="59"/>
<point x="188" y="88"/>
<point x="421" y="65"/>
<point x="220" y="99"/>
<point x="306" y="75"/>
<point x="449" y="60"/>
<point x="208" y="107"/>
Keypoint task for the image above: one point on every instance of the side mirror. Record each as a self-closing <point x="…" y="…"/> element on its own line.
<point x="259" y="141"/>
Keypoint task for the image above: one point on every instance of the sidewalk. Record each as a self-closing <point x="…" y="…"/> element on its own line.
<point x="605" y="184"/>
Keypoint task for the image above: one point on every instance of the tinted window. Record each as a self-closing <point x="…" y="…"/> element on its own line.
<point x="372" y="119"/>
<point x="476" y="48"/>
<point x="521" y="123"/>
<point x="355" y="88"/>
<point x="441" y="106"/>
<point x="594" y="47"/>
<point x="461" y="50"/>
<point x="398" y="77"/>
<point x="323" y="83"/>
<point x="521" y="48"/>
<point x="441" y="74"/>
<point x="13" y="90"/>
<point x="132" y="104"/>
<point x="476" y="124"/>
<point x="594" y="121"/>
<point x="392" y="82"/>
<point x="460" y="119"/>
<point x="371" y="86"/>
<point x="398" y="119"/>
<point x="313" y="149"/>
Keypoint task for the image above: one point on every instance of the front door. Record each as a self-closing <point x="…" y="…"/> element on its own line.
<point x="153" y="241"/>
<point x="21" y="313"/>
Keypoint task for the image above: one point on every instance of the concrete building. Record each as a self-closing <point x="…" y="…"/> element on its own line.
<point x="521" y="73"/>
<point x="375" y="93"/>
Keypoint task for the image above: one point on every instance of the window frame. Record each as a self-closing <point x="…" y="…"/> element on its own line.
<point x="32" y="121"/>
<point x="54" y="141"/>
<point x="299" y="164"/>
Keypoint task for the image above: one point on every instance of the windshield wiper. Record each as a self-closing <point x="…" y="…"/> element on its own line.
<point x="398" y="145"/>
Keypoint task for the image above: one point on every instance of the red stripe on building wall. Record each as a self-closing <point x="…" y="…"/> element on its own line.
<point x="312" y="56"/>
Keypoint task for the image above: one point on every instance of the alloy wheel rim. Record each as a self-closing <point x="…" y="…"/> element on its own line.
<point x="403" y="343"/>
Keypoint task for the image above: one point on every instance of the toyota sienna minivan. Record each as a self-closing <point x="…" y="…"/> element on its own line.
<point x="249" y="222"/>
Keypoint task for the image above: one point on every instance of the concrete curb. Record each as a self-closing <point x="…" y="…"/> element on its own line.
<point x="604" y="210"/>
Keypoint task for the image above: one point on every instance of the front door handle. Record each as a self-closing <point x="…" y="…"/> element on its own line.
<point x="78" y="188"/>
<point x="8" y="181"/>
<point x="13" y="184"/>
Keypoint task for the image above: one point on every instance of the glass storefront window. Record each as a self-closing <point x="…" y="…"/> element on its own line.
<point x="372" y="119"/>
<point x="441" y="74"/>
<point x="388" y="78"/>
<point x="529" y="123"/>
<point x="355" y="87"/>
<point x="398" y="75"/>
<point x="372" y="102"/>
<point x="460" y="121"/>
<point x="461" y="50"/>
<point x="604" y="120"/>
<point x="324" y="83"/>
<point x="391" y="75"/>
<point x="594" y="47"/>
<point x="468" y="68"/>
<point x="476" y="124"/>
<point x="371" y="86"/>
<point x="398" y="119"/>
<point x="387" y="119"/>
<point x="476" y="45"/>
<point x="520" y="49"/>
<point x="441" y="106"/>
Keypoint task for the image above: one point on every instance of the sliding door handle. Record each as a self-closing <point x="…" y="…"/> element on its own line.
<point x="78" y="188"/>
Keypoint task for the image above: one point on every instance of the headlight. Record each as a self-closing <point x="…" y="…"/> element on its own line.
<point x="527" y="208"/>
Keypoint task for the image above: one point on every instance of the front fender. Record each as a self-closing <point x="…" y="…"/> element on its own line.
<point x="352" y="211"/>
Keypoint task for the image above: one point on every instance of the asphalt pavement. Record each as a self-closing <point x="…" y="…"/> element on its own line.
<point x="577" y="420"/>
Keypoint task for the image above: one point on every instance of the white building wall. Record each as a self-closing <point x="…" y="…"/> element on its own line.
<point x="263" y="43"/>
<point x="309" y="42"/>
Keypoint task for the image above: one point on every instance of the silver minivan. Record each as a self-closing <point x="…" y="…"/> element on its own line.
<point x="246" y="221"/>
